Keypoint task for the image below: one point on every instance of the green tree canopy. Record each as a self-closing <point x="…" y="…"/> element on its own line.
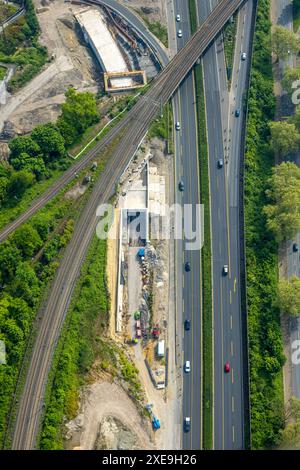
<point x="290" y="76"/>
<point x="19" y="182"/>
<point x="289" y="295"/>
<point x="25" y="283"/>
<point x="283" y="212"/>
<point x="3" y="188"/>
<point x="10" y="256"/>
<point x="78" y="113"/>
<point x="24" y="144"/>
<point x="285" y="138"/>
<point x="49" y="140"/>
<point x="27" y="240"/>
<point x="284" y="42"/>
<point x="31" y="163"/>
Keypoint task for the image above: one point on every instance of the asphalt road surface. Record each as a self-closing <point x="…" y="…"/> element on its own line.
<point x="224" y="141"/>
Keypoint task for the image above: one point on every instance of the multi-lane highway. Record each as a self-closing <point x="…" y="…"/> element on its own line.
<point x="225" y="141"/>
<point x="28" y="417"/>
<point x="188" y="283"/>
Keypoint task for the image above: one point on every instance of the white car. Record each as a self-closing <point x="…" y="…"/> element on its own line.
<point x="178" y="18"/>
<point x="187" y="366"/>
<point x="244" y="56"/>
<point x="225" y="269"/>
<point x="179" y="33"/>
<point x="177" y="126"/>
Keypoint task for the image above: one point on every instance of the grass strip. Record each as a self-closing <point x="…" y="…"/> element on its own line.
<point x="206" y="250"/>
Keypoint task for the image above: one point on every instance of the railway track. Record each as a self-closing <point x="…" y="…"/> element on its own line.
<point x="138" y="120"/>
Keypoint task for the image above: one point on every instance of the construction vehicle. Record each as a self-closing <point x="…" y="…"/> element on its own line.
<point x="154" y="420"/>
<point x="155" y="332"/>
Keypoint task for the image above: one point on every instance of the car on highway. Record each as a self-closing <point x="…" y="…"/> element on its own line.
<point x="178" y="18"/>
<point x="177" y="126"/>
<point x="295" y="247"/>
<point x="181" y="186"/>
<point x="237" y="112"/>
<point x="187" y="267"/>
<point x="187" y="325"/>
<point x="179" y="33"/>
<point x="227" y="367"/>
<point x="187" y="367"/>
<point x="244" y="56"/>
<point x="225" y="269"/>
<point x="187" y="424"/>
<point x="220" y="163"/>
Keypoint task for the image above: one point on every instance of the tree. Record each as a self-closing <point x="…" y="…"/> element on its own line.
<point x="49" y="140"/>
<point x="289" y="296"/>
<point x="290" y="435"/>
<point x="25" y="144"/>
<point x="27" y="239"/>
<point x="78" y="113"/>
<point x="10" y="256"/>
<point x="24" y="161"/>
<point x="284" y="42"/>
<point x="25" y="283"/>
<point x="290" y="76"/>
<point x="3" y="188"/>
<point x="285" y="138"/>
<point x="19" y="182"/>
<point x="283" y="212"/>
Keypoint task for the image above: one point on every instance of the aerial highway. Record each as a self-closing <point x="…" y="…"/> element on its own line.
<point x="188" y="283"/>
<point x="225" y="141"/>
<point x="164" y="86"/>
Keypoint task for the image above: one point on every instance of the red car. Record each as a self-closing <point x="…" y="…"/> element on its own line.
<point x="227" y="367"/>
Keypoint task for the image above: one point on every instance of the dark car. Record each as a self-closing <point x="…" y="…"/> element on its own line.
<point x="187" y="424"/>
<point x="237" y="112"/>
<point x="187" y="267"/>
<point x="295" y="247"/>
<point x="181" y="186"/>
<point x="187" y="325"/>
<point x="220" y="163"/>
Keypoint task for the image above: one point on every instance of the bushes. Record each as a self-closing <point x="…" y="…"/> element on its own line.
<point x="78" y="346"/>
<point x="265" y="341"/>
<point x="19" y="45"/>
<point x="24" y="275"/>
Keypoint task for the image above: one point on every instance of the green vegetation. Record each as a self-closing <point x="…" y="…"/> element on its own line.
<point x="156" y="28"/>
<point x="28" y="260"/>
<point x="206" y="264"/>
<point x="80" y="343"/>
<point x="206" y="287"/>
<point x="285" y="138"/>
<point x="2" y="72"/>
<point x="6" y="10"/>
<point x="289" y="296"/>
<point x="290" y="436"/>
<point x="82" y="348"/>
<point x="19" y="45"/>
<point x="162" y="127"/>
<point x="284" y="42"/>
<point x="290" y="75"/>
<point x="265" y="339"/>
<point x="36" y="159"/>
<point x="296" y="14"/>
<point x="283" y="210"/>
<point x="229" y="34"/>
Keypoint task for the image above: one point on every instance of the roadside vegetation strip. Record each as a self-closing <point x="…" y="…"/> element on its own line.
<point x="207" y="405"/>
<point x="81" y="342"/>
<point x="265" y="338"/>
<point x="229" y="38"/>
